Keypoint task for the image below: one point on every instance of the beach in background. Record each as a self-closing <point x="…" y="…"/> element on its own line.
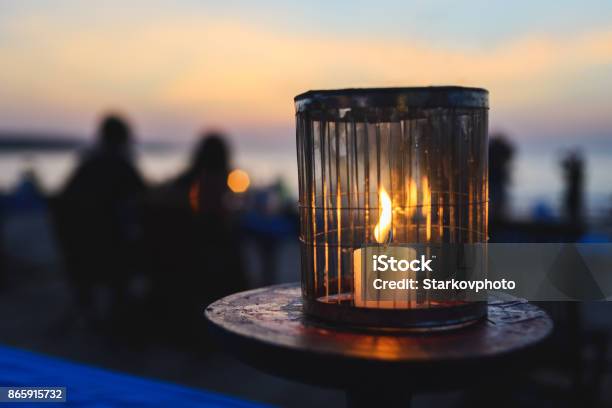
<point x="537" y="180"/>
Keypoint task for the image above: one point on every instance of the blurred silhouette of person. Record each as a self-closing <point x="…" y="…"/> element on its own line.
<point x="194" y="242"/>
<point x="573" y="197"/>
<point x="270" y="221"/>
<point x="98" y="223"/>
<point x="27" y="194"/>
<point x="501" y="152"/>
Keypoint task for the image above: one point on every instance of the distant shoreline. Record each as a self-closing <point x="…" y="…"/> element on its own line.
<point x="15" y="142"/>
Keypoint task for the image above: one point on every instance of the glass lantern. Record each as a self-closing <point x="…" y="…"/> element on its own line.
<point x="392" y="173"/>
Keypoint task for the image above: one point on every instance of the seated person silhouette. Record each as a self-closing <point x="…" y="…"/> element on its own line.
<point x="193" y="242"/>
<point x="98" y="222"/>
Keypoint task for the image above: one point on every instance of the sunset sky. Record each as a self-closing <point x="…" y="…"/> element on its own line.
<point x="176" y="67"/>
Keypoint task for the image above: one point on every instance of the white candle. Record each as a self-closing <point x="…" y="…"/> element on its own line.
<point x="383" y="278"/>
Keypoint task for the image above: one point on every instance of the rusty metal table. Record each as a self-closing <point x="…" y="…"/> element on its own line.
<point x="267" y="329"/>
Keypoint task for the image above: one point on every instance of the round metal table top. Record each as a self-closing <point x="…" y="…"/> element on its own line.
<point x="267" y="328"/>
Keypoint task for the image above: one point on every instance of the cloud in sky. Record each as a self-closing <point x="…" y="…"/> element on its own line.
<point x="176" y="72"/>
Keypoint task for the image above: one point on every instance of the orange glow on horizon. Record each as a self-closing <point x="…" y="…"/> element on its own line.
<point x="198" y="69"/>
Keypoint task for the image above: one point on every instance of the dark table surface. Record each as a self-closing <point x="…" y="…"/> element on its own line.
<point x="267" y="329"/>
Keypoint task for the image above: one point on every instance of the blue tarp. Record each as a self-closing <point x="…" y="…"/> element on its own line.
<point x="88" y="386"/>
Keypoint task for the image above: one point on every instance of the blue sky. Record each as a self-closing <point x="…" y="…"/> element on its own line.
<point x="477" y="23"/>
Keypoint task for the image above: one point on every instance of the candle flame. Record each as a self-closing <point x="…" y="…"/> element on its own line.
<point x="382" y="229"/>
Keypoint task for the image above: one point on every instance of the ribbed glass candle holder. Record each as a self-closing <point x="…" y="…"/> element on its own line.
<point x="389" y="168"/>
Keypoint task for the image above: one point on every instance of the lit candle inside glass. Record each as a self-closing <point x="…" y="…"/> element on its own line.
<point x="363" y="259"/>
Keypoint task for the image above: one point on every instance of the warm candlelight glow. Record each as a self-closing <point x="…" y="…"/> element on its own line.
<point x="426" y="207"/>
<point x="382" y="229"/>
<point x="412" y="197"/>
